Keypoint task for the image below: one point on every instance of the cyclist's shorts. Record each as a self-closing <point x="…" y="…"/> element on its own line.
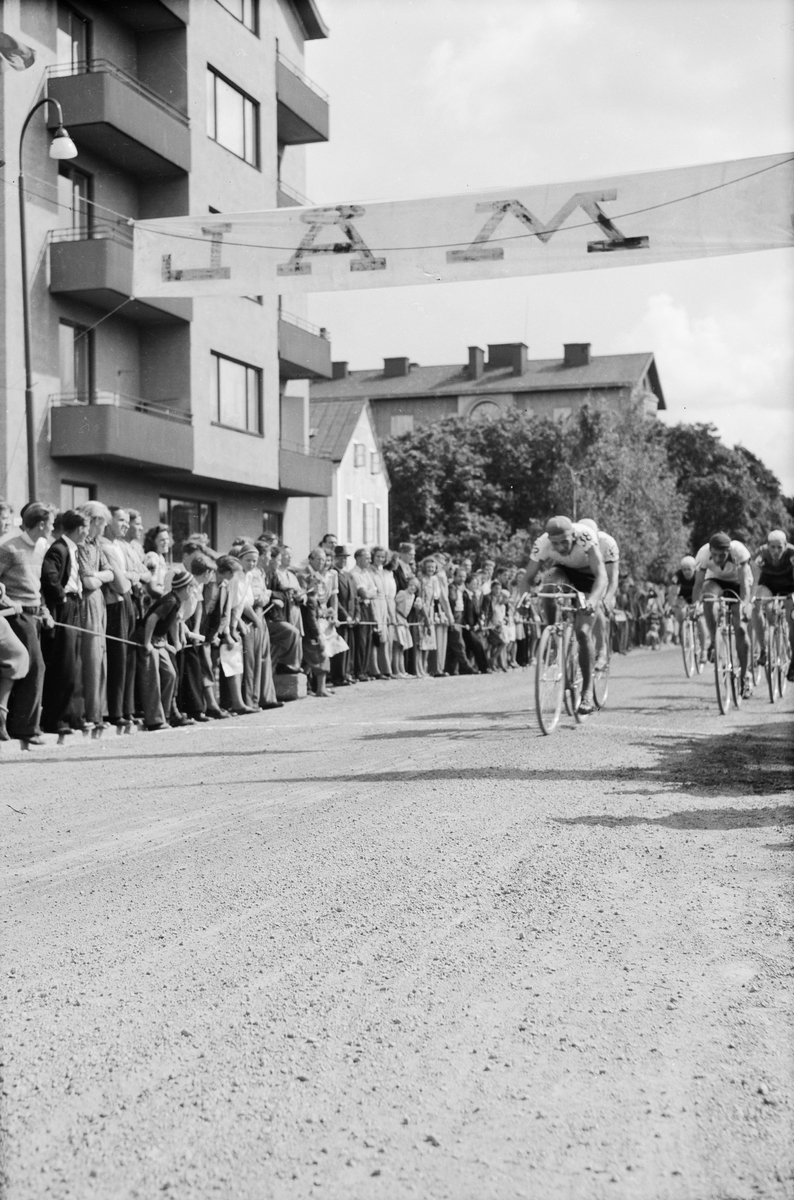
<point x="716" y="587"/>
<point x="769" y="587"/>
<point x="581" y="580"/>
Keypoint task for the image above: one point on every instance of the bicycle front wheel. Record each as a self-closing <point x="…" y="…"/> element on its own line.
<point x="722" y="669"/>
<point x="601" y="681"/>
<point x="753" y="655"/>
<point x="783" y="657"/>
<point x="573" y="672"/>
<point x="771" y="667"/>
<point x="688" y="647"/>
<point x="549" y="679"/>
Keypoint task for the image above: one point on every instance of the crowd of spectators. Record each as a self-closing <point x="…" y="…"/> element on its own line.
<point x="101" y="626"/>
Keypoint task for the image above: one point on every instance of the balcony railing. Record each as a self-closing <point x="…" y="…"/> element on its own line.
<point x="304" y="78"/>
<point x="103" y="66"/>
<point x="94" y="231"/>
<point x="293" y="319"/>
<point x="168" y="411"/>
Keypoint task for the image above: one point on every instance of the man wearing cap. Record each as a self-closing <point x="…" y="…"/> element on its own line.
<point x="774" y="567"/>
<point x="569" y="555"/>
<point x="722" y="568"/>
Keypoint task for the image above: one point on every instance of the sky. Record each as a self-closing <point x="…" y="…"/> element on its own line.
<point x="429" y="97"/>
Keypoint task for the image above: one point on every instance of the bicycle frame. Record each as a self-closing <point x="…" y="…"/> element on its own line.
<point x="557" y="675"/>
<point x="727" y="672"/>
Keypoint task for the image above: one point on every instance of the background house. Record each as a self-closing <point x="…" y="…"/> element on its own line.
<point x="357" y="510"/>
<point x="403" y="395"/>
<point x="195" y="412"/>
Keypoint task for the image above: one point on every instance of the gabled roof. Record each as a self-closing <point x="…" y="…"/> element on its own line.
<point x="541" y="375"/>
<point x="333" y="425"/>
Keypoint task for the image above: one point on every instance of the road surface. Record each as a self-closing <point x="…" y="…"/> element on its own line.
<point x="397" y="944"/>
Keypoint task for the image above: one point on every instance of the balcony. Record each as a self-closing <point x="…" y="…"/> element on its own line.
<point x="302" y="107"/>
<point x="121" y="429"/>
<point x="94" y="265"/>
<point x="109" y="112"/>
<point x="304" y="351"/>
<point x="303" y="474"/>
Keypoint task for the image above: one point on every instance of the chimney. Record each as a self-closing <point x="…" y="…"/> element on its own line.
<point x="394" y="367"/>
<point x="340" y="370"/>
<point x="476" y="362"/>
<point x="576" y="354"/>
<point x="509" y="354"/>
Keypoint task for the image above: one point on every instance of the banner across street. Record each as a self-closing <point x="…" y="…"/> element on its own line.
<point x="657" y="216"/>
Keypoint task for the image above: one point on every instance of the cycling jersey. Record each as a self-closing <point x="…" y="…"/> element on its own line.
<point x="608" y="547"/>
<point x="584" y="540"/>
<point x="731" y="571"/>
<point x="778" y="576"/>
<point x="684" y="585"/>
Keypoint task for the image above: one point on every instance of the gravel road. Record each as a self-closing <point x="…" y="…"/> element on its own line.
<point x="398" y="944"/>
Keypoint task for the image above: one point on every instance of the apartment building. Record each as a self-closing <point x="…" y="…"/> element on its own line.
<point x="195" y="412"/>
<point x="403" y="395"/>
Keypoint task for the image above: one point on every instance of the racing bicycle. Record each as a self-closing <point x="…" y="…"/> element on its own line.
<point x="778" y="648"/>
<point x="558" y="675"/>
<point x="691" y="646"/>
<point x="727" y="671"/>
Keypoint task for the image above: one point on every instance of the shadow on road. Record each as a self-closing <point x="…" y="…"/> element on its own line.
<point x="694" y="818"/>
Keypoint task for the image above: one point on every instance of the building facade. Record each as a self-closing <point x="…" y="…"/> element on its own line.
<point x="404" y="395"/>
<point x="195" y="412"/>
<point x="357" y="510"/>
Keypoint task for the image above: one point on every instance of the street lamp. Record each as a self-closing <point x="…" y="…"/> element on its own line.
<point x="61" y="147"/>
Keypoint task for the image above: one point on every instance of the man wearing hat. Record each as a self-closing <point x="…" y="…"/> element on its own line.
<point x="568" y="554"/>
<point x="347" y="616"/>
<point x="774" y="564"/>
<point x="722" y="568"/>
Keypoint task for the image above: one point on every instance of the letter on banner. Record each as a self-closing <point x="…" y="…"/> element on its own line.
<point x="342" y="216"/>
<point x="213" y="271"/>
<point x="587" y="201"/>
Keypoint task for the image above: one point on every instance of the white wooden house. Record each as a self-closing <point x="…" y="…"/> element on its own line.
<point x="357" y="510"/>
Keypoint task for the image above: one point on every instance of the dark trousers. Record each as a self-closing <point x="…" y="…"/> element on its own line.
<point x="62" y="697"/>
<point x="340" y="667"/>
<point x="475" y="646"/>
<point x="362" y="648"/>
<point x="121" y="659"/>
<point x="190" y="694"/>
<point x="457" y="659"/>
<point x="24" y="707"/>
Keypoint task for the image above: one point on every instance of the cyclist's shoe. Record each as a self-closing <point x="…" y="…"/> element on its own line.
<point x="586" y="708"/>
<point x="762" y="657"/>
<point x="601" y="661"/>
<point x="790" y="672"/>
<point x="711" y="654"/>
<point x="747" y="688"/>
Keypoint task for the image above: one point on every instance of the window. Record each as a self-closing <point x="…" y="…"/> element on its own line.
<point x="236" y="394"/>
<point x="349" y="520"/>
<point x="185" y="518"/>
<point x="75" y="494"/>
<point x="486" y="410"/>
<point x="244" y="11"/>
<point x="368" y="520"/>
<point x="74" y="347"/>
<point x="359" y="454"/>
<point x="232" y="118"/>
<point x="74" y="196"/>
<point x="378" y="526"/>
<point x="72" y="45"/>
<point x="403" y="423"/>
<point x="374" y="463"/>
<point x="272" y="522"/>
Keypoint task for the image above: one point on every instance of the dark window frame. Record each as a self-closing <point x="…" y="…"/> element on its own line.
<point x="254" y="28"/>
<point x="216" y="415"/>
<point x="257" y="160"/>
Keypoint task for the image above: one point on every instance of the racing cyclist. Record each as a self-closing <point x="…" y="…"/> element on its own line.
<point x="774" y="567"/>
<point x="611" y="556"/>
<point x="679" y="597"/>
<point x="569" y="554"/>
<point x="722" y="568"/>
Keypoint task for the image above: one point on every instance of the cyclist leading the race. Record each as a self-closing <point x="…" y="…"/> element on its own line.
<point x="774" y="564"/>
<point x="568" y="554"/>
<point x="722" y="568"/>
<point x="611" y="556"/>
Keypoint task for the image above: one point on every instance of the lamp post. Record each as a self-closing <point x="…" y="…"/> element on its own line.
<point x="62" y="146"/>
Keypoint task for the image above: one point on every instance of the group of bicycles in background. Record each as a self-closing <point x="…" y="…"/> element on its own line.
<point x="733" y="608"/>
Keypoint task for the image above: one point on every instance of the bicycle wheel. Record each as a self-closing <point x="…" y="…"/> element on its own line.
<point x="549" y="679"/>
<point x="770" y="667"/>
<point x="601" y="681"/>
<point x="688" y="647"/>
<point x="722" y="669"/>
<point x="736" y="671"/>
<point x="573" y="672"/>
<point x="753" y="665"/>
<point x="783" y="657"/>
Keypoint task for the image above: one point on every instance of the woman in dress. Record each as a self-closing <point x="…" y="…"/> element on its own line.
<point x="428" y="604"/>
<point x="157" y="557"/>
<point x="404" y="618"/>
<point x="382" y="613"/>
<point x="95" y="570"/>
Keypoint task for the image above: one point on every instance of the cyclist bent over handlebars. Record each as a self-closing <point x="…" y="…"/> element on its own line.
<point x="722" y="567"/>
<point x="569" y="554"/>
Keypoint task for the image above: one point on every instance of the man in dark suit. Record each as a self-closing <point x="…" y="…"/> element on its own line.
<point x="473" y="637"/>
<point x="61" y="591"/>
<point x="347" y="615"/>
